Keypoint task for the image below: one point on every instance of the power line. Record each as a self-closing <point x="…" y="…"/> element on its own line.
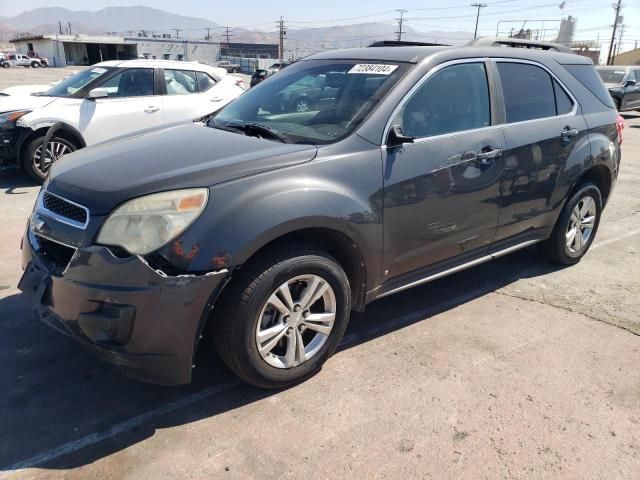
<point x="479" y="6"/>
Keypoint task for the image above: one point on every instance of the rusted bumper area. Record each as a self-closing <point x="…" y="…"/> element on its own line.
<point x="143" y="322"/>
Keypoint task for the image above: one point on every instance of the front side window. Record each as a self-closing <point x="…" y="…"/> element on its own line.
<point x="75" y="82"/>
<point x="180" y="82"/>
<point x="527" y="90"/>
<point x="454" y="99"/>
<point x="313" y="101"/>
<point x="135" y="82"/>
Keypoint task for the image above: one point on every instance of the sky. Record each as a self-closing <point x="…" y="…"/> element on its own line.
<point x="594" y="16"/>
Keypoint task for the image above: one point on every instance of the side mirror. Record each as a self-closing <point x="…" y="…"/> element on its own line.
<point x="98" y="93"/>
<point x="630" y="83"/>
<point x="396" y="137"/>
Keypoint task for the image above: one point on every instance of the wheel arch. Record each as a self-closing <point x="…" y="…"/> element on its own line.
<point x="600" y="176"/>
<point x="336" y="243"/>
<point x="62" y="129"/>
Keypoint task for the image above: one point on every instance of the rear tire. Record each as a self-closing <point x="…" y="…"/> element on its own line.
<point x="575" y="228"/>
<point x="35" y="64"/>
<point x="31" y="161"/>
<point x="247" y="321"/>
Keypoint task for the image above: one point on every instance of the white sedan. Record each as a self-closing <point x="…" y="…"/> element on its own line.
<point x="108" y="100"/>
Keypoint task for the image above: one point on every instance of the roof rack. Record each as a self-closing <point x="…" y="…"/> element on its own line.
<point x="518" y="43"/>
<point x="404" y="43"/>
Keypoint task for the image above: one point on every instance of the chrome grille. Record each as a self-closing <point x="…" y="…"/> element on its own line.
<point x="72" y="212"/>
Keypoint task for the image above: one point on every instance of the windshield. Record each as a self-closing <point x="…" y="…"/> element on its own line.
<point x="313" y="101"/>
<point x="609" y="75"/>
<point x="75" y="82"/>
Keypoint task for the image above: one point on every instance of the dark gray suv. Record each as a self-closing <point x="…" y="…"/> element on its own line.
<point x="268" y="226"/>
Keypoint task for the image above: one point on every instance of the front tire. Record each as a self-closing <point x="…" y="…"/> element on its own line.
<point x="282" y="317"/>
<point x="575" y="228"/>
<point x="38" y="166"/>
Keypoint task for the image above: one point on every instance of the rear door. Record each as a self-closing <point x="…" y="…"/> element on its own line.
<point x="542" y="129"/>
<point x="189" y="95"/>
<point x="441" y="192"/>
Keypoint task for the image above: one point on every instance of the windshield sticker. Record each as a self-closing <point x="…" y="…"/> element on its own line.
<point x="99" y="70"/>
<point x="374" y="68"/>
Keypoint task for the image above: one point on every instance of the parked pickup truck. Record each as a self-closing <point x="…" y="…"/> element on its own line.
<point x="228" y="66"/>
<point x="20" y="60"/>
<point x="44" y="61"/>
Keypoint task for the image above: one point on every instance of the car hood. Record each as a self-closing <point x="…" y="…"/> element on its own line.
<point x="23" y="102"/>
<point x="192" y="155"/>
<point x="26" y="89"/>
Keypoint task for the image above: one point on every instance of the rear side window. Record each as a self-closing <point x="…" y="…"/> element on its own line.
<point x="205" y="82"/>
<point x="587" y="76"/>
<point x="454" y="99"/>
<point x="528" y="92"/>
<point x="180" y="82"/>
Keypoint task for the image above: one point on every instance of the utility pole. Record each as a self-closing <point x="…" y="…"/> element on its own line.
<point x="400" y="20"/>
<point x="478" y="6"/>
<point x="283" y="32"/>
<point x="208" y="37"/>
<point x="618" y="6"/>
<point x="177" y="31"/>
<point x="227" y="35"/>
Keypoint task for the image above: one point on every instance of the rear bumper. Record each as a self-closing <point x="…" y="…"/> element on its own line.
<point x="145" y="324"/>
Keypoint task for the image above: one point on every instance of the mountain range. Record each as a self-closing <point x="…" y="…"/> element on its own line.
<point x="131" y="20"/>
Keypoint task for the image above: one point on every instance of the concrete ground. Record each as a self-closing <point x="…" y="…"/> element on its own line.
<point x="512" y="369"/>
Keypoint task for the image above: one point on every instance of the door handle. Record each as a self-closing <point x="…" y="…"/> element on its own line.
<point x="151" y="109"/>
<point x="567" y="134"/>
<point x="216" y="99"/>
<point x="488" y="157"/>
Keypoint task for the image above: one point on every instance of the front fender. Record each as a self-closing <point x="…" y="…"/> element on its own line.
<point x="245" y="215"/>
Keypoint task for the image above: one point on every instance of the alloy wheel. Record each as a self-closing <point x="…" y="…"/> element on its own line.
<point x="581" y="223"/>
<point x="296" y="321"/>
<point x="302" y="106"/>
<point x="55" y="150"/>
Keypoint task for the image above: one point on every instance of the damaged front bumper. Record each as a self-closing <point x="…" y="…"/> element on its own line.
<point x="145" y="323"/>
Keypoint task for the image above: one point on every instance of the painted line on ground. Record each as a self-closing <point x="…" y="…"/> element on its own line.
<point x="119" y="428"/>
<point x="616" y="239"/>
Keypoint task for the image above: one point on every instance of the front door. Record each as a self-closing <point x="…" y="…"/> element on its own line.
<point x="131" y="106"/>
<point x="441" y="192"/>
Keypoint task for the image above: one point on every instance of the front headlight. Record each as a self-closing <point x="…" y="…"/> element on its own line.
<point x="145" y="224"/>
<point x="12" y="117"/>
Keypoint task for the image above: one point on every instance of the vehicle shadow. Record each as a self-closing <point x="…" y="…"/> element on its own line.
<point x="10" y="180"/>
<point x="58" y="398"/>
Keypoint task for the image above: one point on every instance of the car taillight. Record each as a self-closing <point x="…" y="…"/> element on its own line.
<point x="620" y="127"/>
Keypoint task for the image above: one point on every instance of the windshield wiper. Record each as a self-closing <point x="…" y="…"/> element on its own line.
<point x="263" y="129"/>
<point x="248" y="128"/>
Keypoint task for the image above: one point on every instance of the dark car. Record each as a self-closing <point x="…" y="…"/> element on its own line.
<point x="623" y="84"/>
<point x="258" y="76"/>
<point x="308" y="93"/>
<point x="268" y="228"/>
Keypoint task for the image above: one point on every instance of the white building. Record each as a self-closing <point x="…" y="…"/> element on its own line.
<point x="63" y="50"/>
